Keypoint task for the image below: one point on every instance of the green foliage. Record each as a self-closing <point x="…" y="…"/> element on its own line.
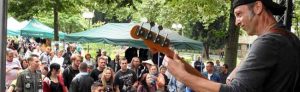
<point x="70" y="18"/>
<point x="26" y="9"/>
<point x="297" y="16"/>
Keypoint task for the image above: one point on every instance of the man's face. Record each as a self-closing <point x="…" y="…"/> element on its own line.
<point x="102" y="63"/>
<point x="77" y="61"/>
<point x="59" y="54"/>
<point x="153" y="70"/>
<point x="35" y="63"/>
<point x="246" y="19"/>
<point x="123" y="64"/>
<point x="48" y="50"/>
<point x="9" y="57"/>
<point x="163" y="70"/>
<point x="72" y="48"/>
<point x="136" y="62"/>
<point x="209" y="68"/>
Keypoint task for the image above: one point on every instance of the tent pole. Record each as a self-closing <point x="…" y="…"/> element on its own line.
<point x="158" y="54"/>
<point x="3" y="39"/>
<point x="88" y="49"/>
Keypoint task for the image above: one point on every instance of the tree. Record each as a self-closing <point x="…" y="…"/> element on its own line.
<point x="212" y="36"/>
<point x="296" y="21"/>
<point x="27" y="9"/>
<point x="232" y="41"/>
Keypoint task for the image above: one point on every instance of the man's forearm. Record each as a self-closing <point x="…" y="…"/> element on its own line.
<point x="200" y="84"/>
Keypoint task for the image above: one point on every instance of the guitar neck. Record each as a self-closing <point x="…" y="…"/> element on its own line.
<point x="169" y="53"/>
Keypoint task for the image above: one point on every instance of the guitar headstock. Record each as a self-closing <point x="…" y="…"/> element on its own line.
<point x="154" y="41"/>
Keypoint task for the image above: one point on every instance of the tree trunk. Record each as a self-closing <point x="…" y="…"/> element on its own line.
<point x="288" y="14"/>
<point x="232" y="42"/>
<point x="206" y="48"/>
<point x="56" y="21"/>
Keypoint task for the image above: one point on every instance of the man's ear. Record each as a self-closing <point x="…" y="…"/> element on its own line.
<point x="258" y="7"/>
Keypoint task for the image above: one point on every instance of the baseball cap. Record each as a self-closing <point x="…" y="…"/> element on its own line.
<point x="275" y="8"/>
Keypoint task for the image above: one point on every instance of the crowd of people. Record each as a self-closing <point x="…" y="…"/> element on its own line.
<point x="30" y="67"/>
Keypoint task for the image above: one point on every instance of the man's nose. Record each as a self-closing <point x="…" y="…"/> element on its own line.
<point x="237" y="22"/>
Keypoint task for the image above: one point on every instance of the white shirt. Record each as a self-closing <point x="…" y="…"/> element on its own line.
<point x="57" y="60"/>
<point x="209" y="75"/>
<point x="12" y="74"/>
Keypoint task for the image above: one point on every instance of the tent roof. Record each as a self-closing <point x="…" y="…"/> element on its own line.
<point x="37" y="29"/>
<point x="14" y="26"/>
<point x="119" y="34"/>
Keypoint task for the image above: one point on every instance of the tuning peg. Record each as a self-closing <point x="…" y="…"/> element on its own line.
<point x="165" y="41"/>
<point x="156" y="38"/>
<point x="160" y="27"/>
<point x="139" y="31"/>
<point x="152" y="24"/>
<point x="149" y="35"/>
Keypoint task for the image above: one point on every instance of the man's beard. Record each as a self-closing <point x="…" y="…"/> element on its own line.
<point x="251" y="28"/>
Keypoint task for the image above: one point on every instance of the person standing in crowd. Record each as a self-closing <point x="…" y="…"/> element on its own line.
<point x="217" y="67"/>
<point x="104" y="54"/>
<point x="135" y="65"/>
<point x="101" y="66"/>
<point x="67" y="57"/>
<point x="175" y="86"/>
<point x="56" y="48"/>
<point x="159" y="80"/>
<point x="125" y="79"/>
<point x="44" y="70"/>
<point x="148" y="85"/>
<point x="45" y="56"/>
<point x="82" y="82"/>
<point x="224" y="73"/>
<point x="52" y="55"/>
<point x="53" y="82"/>
<point x="24" y="63"/>
<point x="58" y="58"/>
<point x="97" y="87"/>
<point x="22" y="49"/>
<point x="88" y="60"/>
<point x="70" y="72"/>
<point x="12" y="87"/>
<point x="97" y="56"/>
<point x="107" y="79"/>
<point x="210" y="74"/>
<point x="37" y="50"/>
<point x="29" y="51"/>
<point x="199" y="65"/>
<point x="147" y="64"/>
<point x="12" y="67"/>
<point x="30" y="80"/>
<point x="162" y="70"/>
<point x="116" y="64"/>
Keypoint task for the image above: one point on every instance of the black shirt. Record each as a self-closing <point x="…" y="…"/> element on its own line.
<point x="55" y="87"/>
<point x="272" y="65"/>
<point x="95" y="74"/>
<point x="68" y="74"/>
<point x="125" y="80"/>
